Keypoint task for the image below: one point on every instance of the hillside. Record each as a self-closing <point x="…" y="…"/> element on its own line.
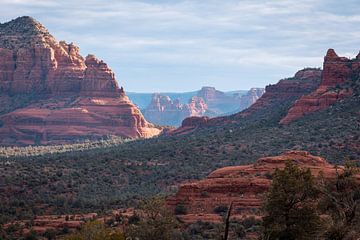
<point x="103" y="178"/>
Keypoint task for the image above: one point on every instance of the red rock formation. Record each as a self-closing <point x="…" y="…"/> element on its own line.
<point x="54" y="121"/>
<point x="190" y="124"/>
<point x="99" y="80"/>
<point x="290" y="89"/>
<point x="337" y="72"/>
<point x="245" y="186"/>
<point x="163" y="111"/>
<point x="79" y="97"/>
<point x="286" y="90"/>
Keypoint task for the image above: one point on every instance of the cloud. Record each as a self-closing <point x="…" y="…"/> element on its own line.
<point x="183" y="44"/>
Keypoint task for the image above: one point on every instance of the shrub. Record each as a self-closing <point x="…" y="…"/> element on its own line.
<point x="221" y="209"/>
<point x="180" y="209"/>
<point x="95" y="230"/>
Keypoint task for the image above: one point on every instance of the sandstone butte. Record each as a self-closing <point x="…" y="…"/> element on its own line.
<point x="290" y="89"/>
<point x="164" y="111"/>
<point x="73" y="97"/>
<point x="245" y="186"/>
<point x="338" y="72"/>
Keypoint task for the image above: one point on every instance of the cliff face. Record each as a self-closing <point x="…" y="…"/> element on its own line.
<point x="76" y="97"/>
<point x="338" y="74"/>
<point x="32" y="61"/>
<point x="245" y="186"/>
<point x="163" y="111"/>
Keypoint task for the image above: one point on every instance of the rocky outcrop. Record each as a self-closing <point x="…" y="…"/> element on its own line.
<point x="245" y="186"/>
<point x="190" y="124"/>
<point x="335" y="85"/>
<point x="163" y="111"/>
<point x="76" y="97"/>
<point x="289" y="89"/>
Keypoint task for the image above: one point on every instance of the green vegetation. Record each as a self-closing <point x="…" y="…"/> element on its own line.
<point x="96" y="231"/>
<point x="156" y="222"/>
<point x="341" y="203"/>
<point x="31" y="151"/>
<point x="298" y="206"/>
<point x="290" y="212"/>
<point x="119" y="175"/>
<point x="180" y="209"/>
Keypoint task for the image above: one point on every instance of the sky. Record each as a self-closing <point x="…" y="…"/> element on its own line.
<point x="164" y="45"/>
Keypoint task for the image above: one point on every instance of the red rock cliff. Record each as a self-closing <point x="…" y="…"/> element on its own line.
<point x="337" y="73"/>
<point x="289" y="89"/>
<point x="77" y="98"/>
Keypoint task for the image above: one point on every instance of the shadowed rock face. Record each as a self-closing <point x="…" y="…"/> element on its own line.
<point x="76" y="98"/>
<point x="338" y="71"/>
<point x="245" y="186"/>
<point x="290" y="89"/>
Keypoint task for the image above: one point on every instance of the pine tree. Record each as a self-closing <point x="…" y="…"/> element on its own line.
<point x="290" y="206"/>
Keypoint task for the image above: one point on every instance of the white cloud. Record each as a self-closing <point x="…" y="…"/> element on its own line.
<point x="239" y="36"/>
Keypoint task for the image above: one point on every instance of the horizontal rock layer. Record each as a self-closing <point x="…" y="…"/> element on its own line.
<point x="245" y="186"/>
<point x="72" y="97"/>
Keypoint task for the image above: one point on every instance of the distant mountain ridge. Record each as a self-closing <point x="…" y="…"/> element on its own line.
<point x="173" y="108"/>
<point x="142" y="100"/>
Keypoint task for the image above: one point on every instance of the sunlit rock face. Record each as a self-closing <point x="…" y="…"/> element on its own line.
<point x="76" y="98"/>
<point x="335" y="85"/>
